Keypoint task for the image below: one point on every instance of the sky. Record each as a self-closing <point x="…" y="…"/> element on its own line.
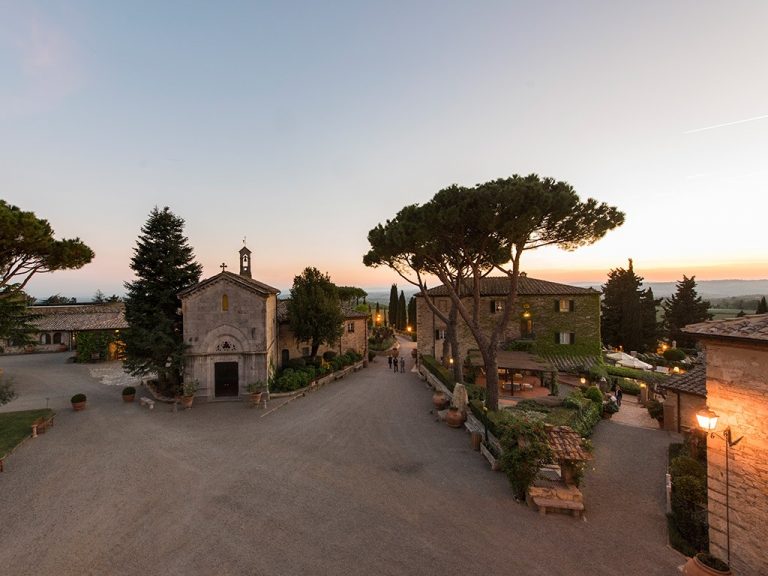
<point x="300" y="126"/>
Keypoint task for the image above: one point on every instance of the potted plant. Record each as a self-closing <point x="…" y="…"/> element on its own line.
<point x="129" y="393"/>
<point x="455" y="418"/>
<point x="78" y="402"/>
<point x="705" y="564"/>
<point x="188" y="393"/>
<point x="255" y="389"/>
<point x="656" y="411"/>
<point x="609" y="409"/>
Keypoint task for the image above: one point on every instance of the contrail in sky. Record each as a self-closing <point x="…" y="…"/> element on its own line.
<point x="726" y="124"/>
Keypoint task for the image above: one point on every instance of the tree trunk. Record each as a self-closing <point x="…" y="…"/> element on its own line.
<point x="491" y="363"/>
<point x="452" y="335"/>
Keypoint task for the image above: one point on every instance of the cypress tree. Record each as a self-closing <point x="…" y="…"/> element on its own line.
<point x="412" y="313"/>
<point x="164" y="265"/>
<point x="402" y="312"/>
<point x="393" y="306"/>
<point x="762" y="306"/>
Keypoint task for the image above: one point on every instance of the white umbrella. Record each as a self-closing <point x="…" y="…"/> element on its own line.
<point x="634" y="363"/>
<point x="618" y="356"/>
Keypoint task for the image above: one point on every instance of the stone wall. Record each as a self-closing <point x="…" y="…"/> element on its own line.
<point x="737" y="390"/>
<point x="583" y="321"/>
<point x="689" y="404"/>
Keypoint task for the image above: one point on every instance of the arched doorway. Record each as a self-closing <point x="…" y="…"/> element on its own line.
<point x="226" y="379"/>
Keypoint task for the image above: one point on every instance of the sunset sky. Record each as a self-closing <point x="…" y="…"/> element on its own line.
<point x="302" y="125"/>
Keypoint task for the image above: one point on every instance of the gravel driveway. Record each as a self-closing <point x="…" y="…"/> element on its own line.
<point x="356" y="478"/>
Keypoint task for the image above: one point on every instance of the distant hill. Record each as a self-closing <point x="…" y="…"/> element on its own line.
<point x="707" y="289"/>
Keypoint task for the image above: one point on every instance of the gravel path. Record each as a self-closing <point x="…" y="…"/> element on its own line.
<point x="356" y="478"/>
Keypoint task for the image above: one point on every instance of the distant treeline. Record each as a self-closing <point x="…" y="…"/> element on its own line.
<point x="746" y="303"/>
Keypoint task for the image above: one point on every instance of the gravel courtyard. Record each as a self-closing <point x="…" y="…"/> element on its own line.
<point x="356" y="478"/>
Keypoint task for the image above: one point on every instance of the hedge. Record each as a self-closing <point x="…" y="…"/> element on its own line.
<point x="439" y="371"/>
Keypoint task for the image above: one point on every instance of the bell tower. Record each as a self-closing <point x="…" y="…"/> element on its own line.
<point x="245" y="262"/>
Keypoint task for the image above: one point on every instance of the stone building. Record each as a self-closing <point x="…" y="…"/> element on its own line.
<point x="557" y="318"/>
<point x="685" y="394"/>
<point x="354" y="337"/>
<point x="737" y="391"/>
<point x="230" y="328"/>
<point x="237" y="332"/>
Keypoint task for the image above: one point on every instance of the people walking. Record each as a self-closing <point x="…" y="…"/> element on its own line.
<point x="394" y="363"/>
<point x="619" y="394"/>
<point x="389" y="361"/>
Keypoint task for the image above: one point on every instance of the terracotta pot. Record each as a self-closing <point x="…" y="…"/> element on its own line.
<point x="695" y="568"/>
<point x="455" y="418"/>
<point x="128" y="397"/>
<point x="439" y="400"/>
<point x="186" y="401"/>
<point x="78" y="406"/>
<point x="255" y="398"/>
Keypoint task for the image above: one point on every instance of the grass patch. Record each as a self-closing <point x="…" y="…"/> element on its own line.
<point x="15" y="426"/>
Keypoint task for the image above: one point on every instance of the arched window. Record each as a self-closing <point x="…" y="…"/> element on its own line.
<point x="57" y="338"/>
<point x="224" y="303"/>
<point x="45" y="338"/>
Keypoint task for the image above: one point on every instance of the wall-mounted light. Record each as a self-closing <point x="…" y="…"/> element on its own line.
<point x="582" y="381"/>
<point x="707" y="420"/>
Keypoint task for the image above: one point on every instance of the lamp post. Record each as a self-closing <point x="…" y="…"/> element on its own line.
<point x="707" y="420"/>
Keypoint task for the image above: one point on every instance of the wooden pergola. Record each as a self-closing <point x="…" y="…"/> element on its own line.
<point x="518" y="371"/>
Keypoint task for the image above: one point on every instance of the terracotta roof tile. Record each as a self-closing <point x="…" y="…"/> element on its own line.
<point x="693" y="382"/>
<point x="527" y="286"/>
<point x="753" y="327"/>
<point x="74" y="318"/>
<point x="566" y="444"/>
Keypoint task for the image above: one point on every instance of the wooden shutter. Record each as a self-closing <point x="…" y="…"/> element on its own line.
<point x="571" y="305"/>
<point x="573" y="337"/>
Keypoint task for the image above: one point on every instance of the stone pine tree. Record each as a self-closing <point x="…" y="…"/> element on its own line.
<point x="27" y="248"/>
<point x="628" y="316"/>
<point x="684" y="307"/>
<point x="463" y="234"/>
<point x="762" y="306"/>
<point x="314" y="310"/>
<point x="402" y="312"/>
<point x="164" y="264"/>
<point x="393" y="306"/>
<point x="412" y="313"/>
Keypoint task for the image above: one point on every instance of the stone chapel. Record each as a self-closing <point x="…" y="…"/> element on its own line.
<point x="231" y="330"/>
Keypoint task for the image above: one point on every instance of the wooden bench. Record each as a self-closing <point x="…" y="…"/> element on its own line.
<point x="148" y="402"/>
<point x="548" y="504"/>
<point x="41" y="425"/>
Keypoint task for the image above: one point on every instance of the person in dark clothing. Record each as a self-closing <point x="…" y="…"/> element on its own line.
<point x="389" y="361"/>
<point x="619" y="394"/>
<point x="394" y="363"/>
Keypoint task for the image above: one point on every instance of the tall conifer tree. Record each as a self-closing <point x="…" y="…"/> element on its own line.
<point x="164" y="264"/>
<point x="628" y="312"/>
<point x="393" y="306"/>
<point x="684" y="307"/>
<point x="412" y="313"/>
<point x="402" y="312"/>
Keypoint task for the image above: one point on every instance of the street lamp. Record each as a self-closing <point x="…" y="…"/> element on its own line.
<point x="707" y="420"/>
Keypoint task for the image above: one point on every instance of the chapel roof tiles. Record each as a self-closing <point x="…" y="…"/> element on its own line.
<point x="753" y="327"/>
<point x="527" y="286"/>
<point x="244" y="281"/>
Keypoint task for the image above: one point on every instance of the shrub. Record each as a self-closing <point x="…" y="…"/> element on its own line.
<point x="686" y="466"/>
<point x="643" y="375"/>
<point x="329" y="355"/>
<point x="628" y="386"/>
<point x="440" y="371"/>
<point x="371" y="356"/>
<point x="610" y="408"/>
<point x="674" y="355"/>
<point x="78" y="398"/>
<point x="129" y="391"/>
<point x="7" y="392"/>
<point x="521" y="461"/>
<point x="655" y="409"/>
<point x="598" y="371"/>
<point x="594" y="394"/>
<point x="296" y="363"/>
